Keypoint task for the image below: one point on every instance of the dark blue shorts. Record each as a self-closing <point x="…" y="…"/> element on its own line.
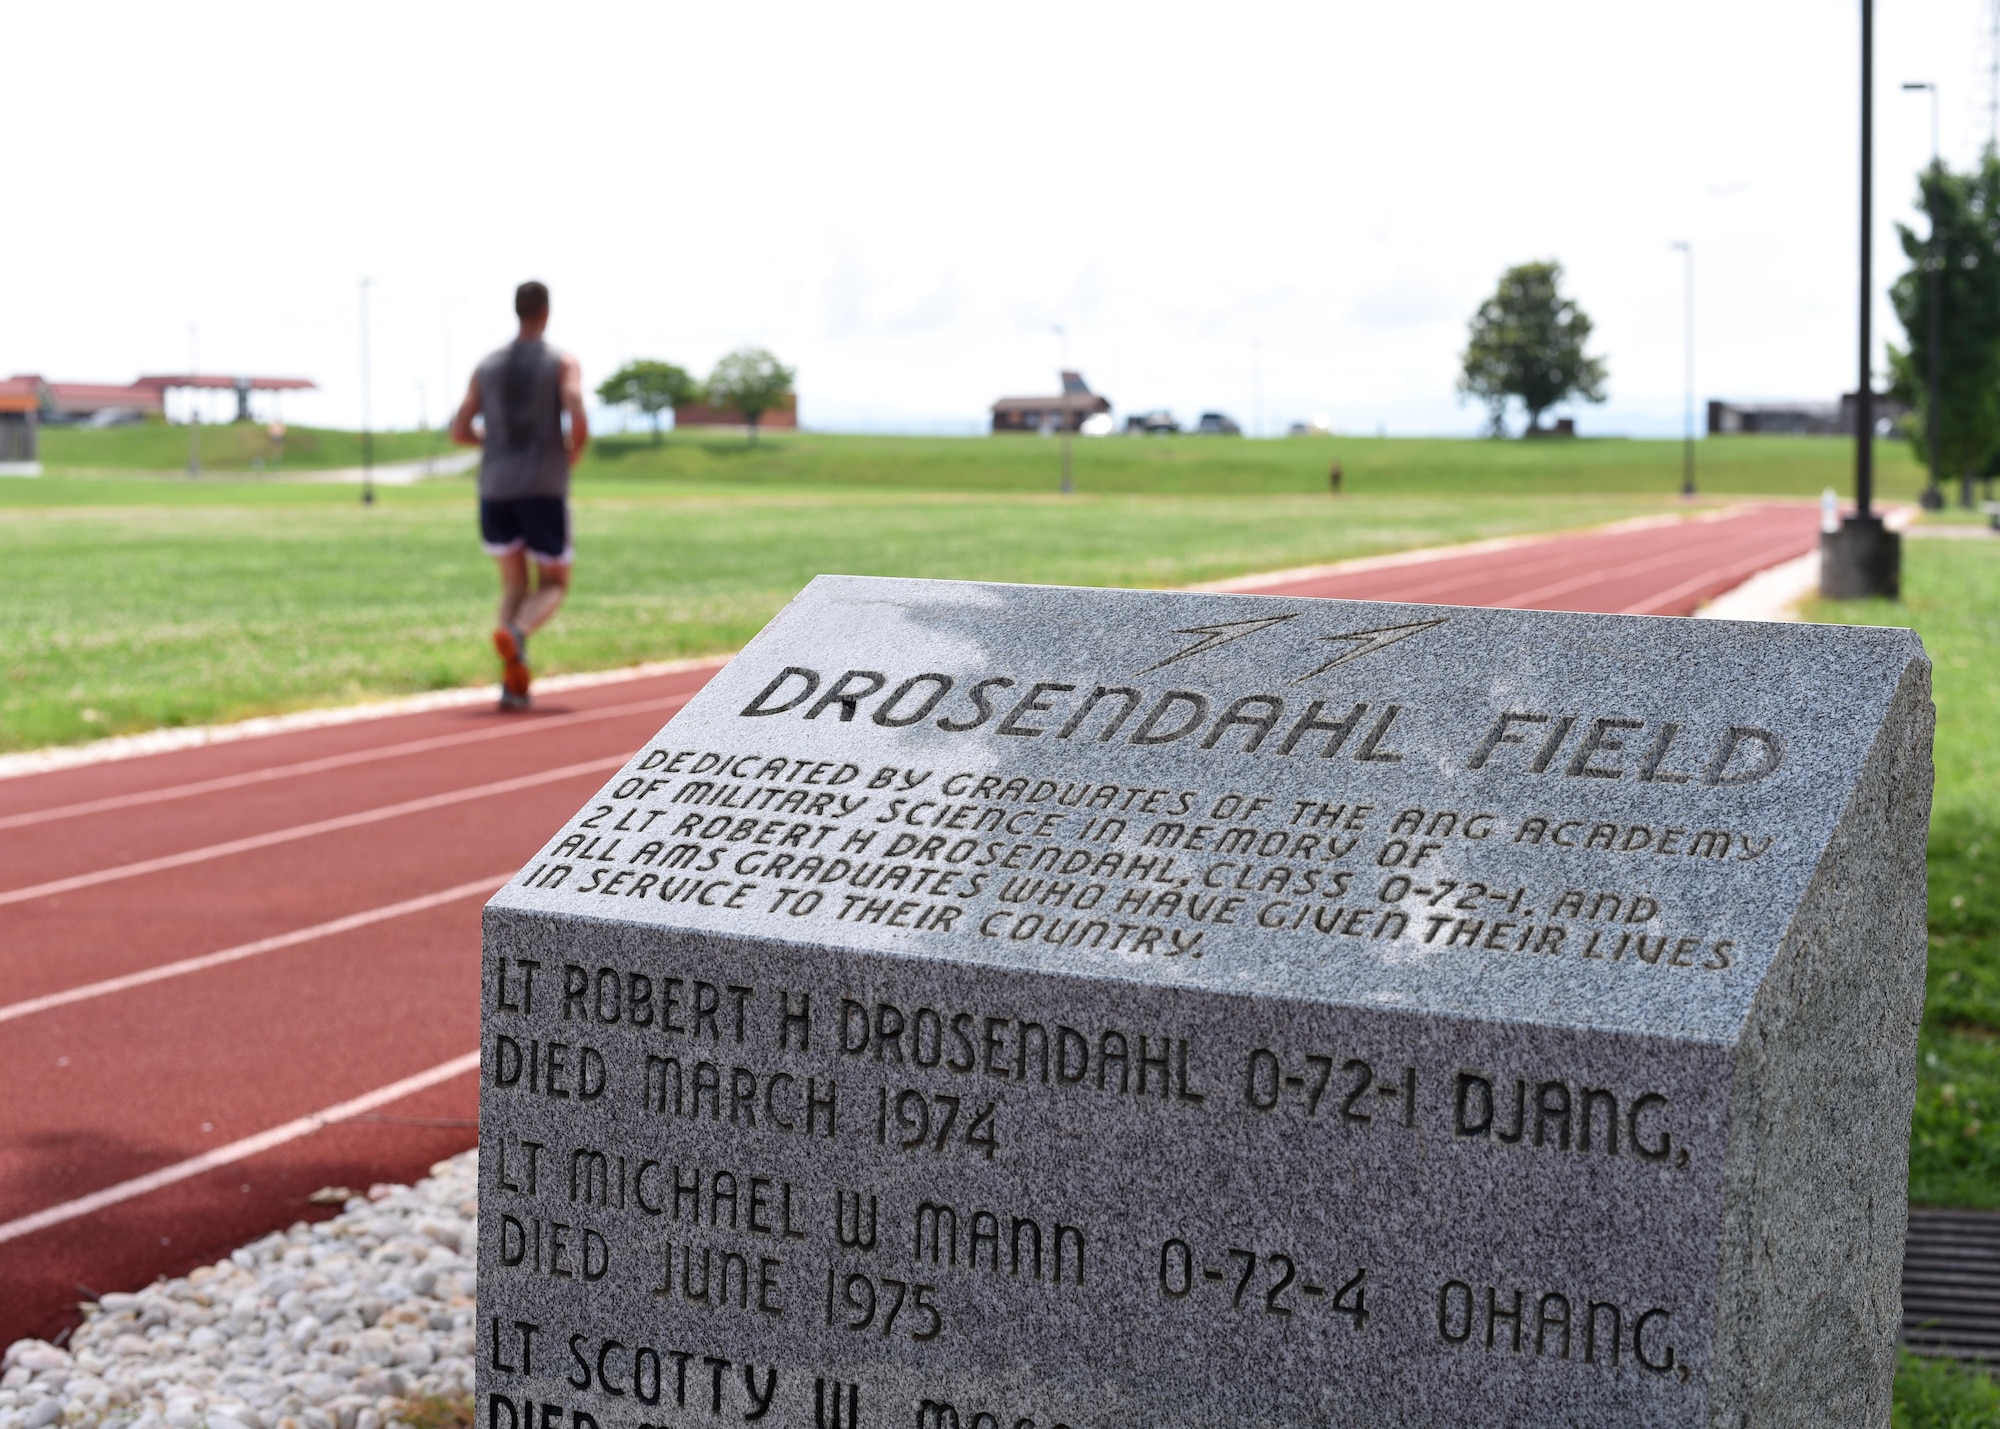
<point x="536" y="524"/>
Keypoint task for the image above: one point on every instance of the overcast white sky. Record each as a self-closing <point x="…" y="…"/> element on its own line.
<point x="904" y="200"/>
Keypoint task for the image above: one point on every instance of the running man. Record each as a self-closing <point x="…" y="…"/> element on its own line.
<point x="519" y="396"/>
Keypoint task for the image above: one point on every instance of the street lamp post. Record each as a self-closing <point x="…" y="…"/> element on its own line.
<point x="194" y="401"/>
<point x="1862" y="556"/>
<point x="1687" y="352"/>
<point x="1062" y="411"/>
<point x="1933" y="497"/>
<point x="367" y="427"/>
<point x="424" y="426"/>
<point x="1256" y="386"/>
<point x="449" y="307"/>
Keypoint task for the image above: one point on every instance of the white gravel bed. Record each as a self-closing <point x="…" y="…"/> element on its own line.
<point x="327" y="1326"/>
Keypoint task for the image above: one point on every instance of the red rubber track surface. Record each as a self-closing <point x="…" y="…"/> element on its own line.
<point x="120" y="869"/>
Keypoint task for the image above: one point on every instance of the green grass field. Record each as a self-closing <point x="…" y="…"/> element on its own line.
<point x="1789" y="466"/>
<point x="1937" y="1394"/>
<point x="141" y="604"/>
<point x="1952" y="599"/>
<point x="145" y="597"/>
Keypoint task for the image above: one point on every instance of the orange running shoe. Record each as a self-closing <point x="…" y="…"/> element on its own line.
<point x="515" y="675"/>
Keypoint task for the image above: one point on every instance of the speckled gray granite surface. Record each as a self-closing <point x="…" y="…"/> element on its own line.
<point x="993" y="1006"/>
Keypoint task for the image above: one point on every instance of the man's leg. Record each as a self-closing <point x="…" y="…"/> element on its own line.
<point x="544" y="527"/>
<point x="510" y="641"/>
<point x="513" y="585"/>
<point x="551" y="585"/>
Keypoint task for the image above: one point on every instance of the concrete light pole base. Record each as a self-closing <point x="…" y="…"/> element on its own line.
<point x="1863" y="558"/>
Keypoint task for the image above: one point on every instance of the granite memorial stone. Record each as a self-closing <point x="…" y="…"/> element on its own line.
<point x="1005" y="1007"/>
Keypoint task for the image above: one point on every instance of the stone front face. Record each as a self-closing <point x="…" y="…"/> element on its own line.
<point x="993" y="1004"/>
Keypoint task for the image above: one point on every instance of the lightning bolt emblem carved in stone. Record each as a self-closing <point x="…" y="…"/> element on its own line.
<point x="1367" y="642"/>
<point x="1219" y="634"/>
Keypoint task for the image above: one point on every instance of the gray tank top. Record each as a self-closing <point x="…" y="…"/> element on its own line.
<point x="520" y="397"/>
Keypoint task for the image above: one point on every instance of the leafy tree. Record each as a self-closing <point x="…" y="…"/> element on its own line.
<point x="1526" y="342"/>
<point x="751" y="381"/>
<point x="649" y="387"/>
<point x="1967" y="210"/>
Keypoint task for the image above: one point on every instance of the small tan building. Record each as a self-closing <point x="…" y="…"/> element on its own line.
<point x="20" y="413"/>
<point x="781" y="416"/>
<point x="1065" y="412"/>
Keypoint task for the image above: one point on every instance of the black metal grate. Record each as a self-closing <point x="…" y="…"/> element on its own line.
<point x="1951" y="1284"/>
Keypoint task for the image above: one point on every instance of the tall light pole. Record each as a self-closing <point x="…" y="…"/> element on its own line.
<point x="367" y="427"/>
<point x="1062" y="412"/>
<point x="1687" y="352"/>
<point x="1933" y="497"/>
<point x="1862" y="556"/>
<point x="450" y="305"/>
<point x="194" y="401"/>
<point x="424" y="425"/>
<point x="1256" y="386"/>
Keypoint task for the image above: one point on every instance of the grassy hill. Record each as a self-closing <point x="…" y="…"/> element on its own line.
<point x="1788" y="466"/>
<point x="231" y="447"/>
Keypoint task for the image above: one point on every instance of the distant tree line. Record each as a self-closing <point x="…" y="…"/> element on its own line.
<point x="749" y="380"/>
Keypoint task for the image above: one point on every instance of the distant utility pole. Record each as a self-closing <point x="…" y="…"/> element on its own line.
<point x="1687" y="352"/>
<point x="195" y="401"/>
<point x="1933" y="497"/>
<point x="424" y="426"/>
<point x="1256" y="386"/>
<point x="1863" y="557"/>
<point x="1062" y="411"/>
<point x="367" y="431"/>
<point x="449" y="388"/>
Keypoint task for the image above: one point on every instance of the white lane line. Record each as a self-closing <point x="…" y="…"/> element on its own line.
<point x="1598" y="575"/>
<point x="1562" y="554"/>
<point x="169" y="741"/>
<point x="306" y="831"/>
<point x="1424" y="555"/>
<point x="86" y="991"/>
<point x="1774" y="593"/>
<point x="1763" y="560"/>
<point x="331" y="761"/>
<point x="236" y="1150"/>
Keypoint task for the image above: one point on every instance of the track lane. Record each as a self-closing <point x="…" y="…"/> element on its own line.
<point x="560" y="724"/>
<point x="227" y="756"/>
<point x="62" y="942"/>
<point x="88" y="843"/>
<point x="479" y="887"/>
<point x="98" y="877"/>
<point x="201" y="1220"/>
<point x="165" y="805"/>
<point x="1610" y="571"/>
<point x="239" y="1150"/>
<point x="253" y="1045"/>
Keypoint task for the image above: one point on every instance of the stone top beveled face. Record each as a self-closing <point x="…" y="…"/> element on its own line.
<point x="1577" y="820"/>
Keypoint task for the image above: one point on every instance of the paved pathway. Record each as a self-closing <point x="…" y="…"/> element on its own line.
<point x="238" y="973"/>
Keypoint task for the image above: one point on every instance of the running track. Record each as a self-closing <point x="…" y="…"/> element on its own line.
<point x="235" y="974"/>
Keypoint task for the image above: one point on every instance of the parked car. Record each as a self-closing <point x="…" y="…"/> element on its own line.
<point x="1151" y="424"/>
<point x="1215" y="424"/>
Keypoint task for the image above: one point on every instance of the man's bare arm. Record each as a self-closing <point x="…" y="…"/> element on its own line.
<point x="572" y="399"/>
<point x="461" y="422"/>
